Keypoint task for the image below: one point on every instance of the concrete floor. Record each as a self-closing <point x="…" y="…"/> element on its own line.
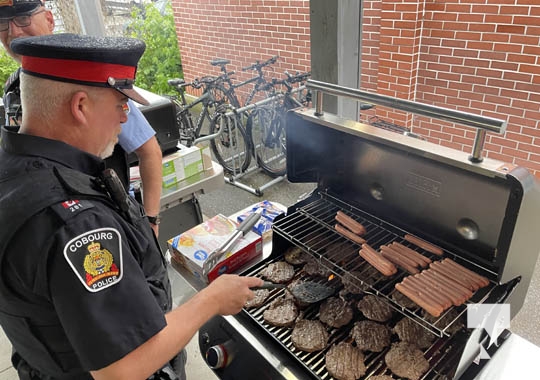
<point x="230" y="199"/>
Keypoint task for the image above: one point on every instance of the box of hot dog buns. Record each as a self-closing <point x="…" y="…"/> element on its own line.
<point x="268" y="211"/>
<point x="191" y="248"/>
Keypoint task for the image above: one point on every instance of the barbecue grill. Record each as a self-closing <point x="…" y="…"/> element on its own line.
<point x="482" y="212"/>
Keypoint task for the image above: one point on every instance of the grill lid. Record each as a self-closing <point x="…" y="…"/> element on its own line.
<point x="431" y="191"/>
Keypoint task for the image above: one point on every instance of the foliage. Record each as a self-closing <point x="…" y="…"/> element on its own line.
<point x="161" y="60"/>
<point x="7" y="66"/>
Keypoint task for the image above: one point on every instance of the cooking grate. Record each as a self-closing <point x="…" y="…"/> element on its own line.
<point x="442" y="355"/>
<point x="311" y="227"/>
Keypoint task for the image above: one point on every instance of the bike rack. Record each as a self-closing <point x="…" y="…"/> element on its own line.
<point x="238" y="174"/>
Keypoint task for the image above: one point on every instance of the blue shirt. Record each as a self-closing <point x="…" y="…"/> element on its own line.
<point x="136" y="131"/>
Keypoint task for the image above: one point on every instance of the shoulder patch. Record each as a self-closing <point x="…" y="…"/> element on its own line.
<point x="68" y="209"/>
<point x="96" y="258"/>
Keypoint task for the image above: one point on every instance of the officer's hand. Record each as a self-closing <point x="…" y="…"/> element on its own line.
<point x="230" y="292"/>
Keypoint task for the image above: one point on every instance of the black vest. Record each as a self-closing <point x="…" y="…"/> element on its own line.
<point x="21" y="201"/>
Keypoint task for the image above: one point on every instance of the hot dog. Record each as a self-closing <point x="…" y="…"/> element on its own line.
<point x="423" y="286"/>
<point x="394" y="257"/>
<point x="378" y="262"/>
<point x="450" y="283"/>
<point x="440" y="289"/>
<point x="424" y="245"/>
<point x="369" y="248"/>
<point x="350" y="223"/>
<point x="400" y="254"/>
<point x="454" y="275"/>
<point x="474" y="284"/>
<point x="433" y="309"/>
<point x="457" y="294"/>
<point x="419" y="258"/>
<point x="349" y="234"/>
<point x="480" y="280"/>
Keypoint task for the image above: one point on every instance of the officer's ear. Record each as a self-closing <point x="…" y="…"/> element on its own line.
<point x="80" y="107"/>
<point x="50" y="20"/>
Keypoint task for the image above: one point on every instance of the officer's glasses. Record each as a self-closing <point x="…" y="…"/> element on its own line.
<point x="125" y="108"/>
<point x="21" y="21"/>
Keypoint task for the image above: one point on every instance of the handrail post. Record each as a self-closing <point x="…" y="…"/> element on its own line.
<point x="319" y="103"/>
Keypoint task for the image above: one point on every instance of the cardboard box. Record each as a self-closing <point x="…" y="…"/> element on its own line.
<point x="181" y="165"/>
<point x="263" y="226"/>
<point x="191" y="248"/>
<point x="206" y="157"/>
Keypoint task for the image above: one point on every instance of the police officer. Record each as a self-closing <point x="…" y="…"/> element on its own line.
<point x="84" y="291"/>
<point x="23" y="18"/>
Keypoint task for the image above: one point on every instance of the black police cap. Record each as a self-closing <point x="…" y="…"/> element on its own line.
<point x="10" y="8"/>
<point x="88" y="60"/>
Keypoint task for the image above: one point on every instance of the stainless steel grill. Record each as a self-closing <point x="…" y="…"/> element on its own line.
<point x="480" y="211"/>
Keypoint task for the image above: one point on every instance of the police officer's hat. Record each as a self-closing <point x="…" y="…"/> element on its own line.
<point x="10" y="8"/>
<point x="88" y="60"/>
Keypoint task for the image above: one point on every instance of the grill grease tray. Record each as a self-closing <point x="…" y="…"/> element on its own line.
<point x="311" y="227"/>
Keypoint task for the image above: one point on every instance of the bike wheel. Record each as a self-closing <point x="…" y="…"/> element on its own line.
<point x="221" y="101"/>
<point x="267" y="130"/>
<point x="231" y="148"/>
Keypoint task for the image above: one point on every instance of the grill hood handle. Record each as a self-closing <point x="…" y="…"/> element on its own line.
<point x="481" y="123"/>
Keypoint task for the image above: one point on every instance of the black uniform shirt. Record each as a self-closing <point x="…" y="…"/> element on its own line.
<point x="98" y="285"/>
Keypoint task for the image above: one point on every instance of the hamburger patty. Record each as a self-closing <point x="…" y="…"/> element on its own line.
<point x="403" y="300"/>
<point x="405" y="360"/>
<point x="335" y="312"/>
<point x="445" y="320"/>
<point x="278" y="272"/>
<point x="345" y="362"/>
<point x="371" y="336"/>
<point x="295" y="256"/>
<point x="260" y="296"/>
<point x="375" y="308"/>
<point x="313" y="268"/>
<point x="309" y="336"/>
<point x="281" y="312"/>
<point x="411" y="332"/>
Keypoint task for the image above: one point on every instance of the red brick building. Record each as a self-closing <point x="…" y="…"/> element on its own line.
<point x="478" y="56"/>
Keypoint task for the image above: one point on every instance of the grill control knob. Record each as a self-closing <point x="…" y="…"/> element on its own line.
<point x="220" y="355"/>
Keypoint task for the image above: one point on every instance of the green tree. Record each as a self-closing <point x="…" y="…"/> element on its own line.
<point x="7" y="66"/>
<point x="161" y="60"/>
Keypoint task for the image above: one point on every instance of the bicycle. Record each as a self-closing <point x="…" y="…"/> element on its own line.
<point x="189" y="130"/>
<point x="260" y="80"/>
<point x="266" y="124"/>
<point x="233" y="155"/>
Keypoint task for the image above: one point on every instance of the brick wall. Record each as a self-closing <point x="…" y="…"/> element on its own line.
<point x="242" y="31"/>
<point x="478" y="56"/>
<point x="483" y="57"/>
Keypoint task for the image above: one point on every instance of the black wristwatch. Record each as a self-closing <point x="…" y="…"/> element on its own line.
<point x="155" y="220"/>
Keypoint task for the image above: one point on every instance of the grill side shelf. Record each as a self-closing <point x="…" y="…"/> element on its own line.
<point x="311" y="227"/>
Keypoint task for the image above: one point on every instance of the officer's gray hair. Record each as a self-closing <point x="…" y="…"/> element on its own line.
<point x="44" y="97"/>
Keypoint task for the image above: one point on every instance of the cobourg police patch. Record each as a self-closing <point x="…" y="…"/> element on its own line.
<point x="96" y="258"/>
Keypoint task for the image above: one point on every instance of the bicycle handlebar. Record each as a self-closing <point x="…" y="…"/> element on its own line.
<point x="258" y="65"/>
<point x="298" y="77"/>
<point x="178" y="83"/>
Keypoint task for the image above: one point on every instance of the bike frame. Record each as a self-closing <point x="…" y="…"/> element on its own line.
<point x="186" y="111"/>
